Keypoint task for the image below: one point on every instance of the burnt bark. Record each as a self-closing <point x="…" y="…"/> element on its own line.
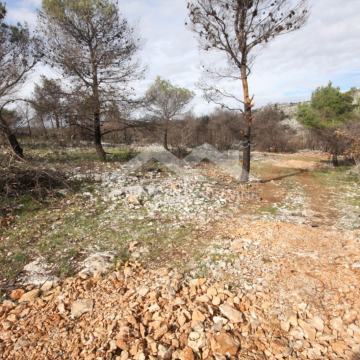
<point x="246" y="160"/>
<point x="335" y="160"/>
<point x="15" y="146"/>
<point x="97" y="137"/>
<point x="97" y="110"/>
<point x="166" y="132"/>
<point x="11" y="137"/>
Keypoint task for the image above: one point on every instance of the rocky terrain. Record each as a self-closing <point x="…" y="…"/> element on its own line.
<point x="213" y="268"/>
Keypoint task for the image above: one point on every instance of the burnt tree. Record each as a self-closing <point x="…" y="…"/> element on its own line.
<point x="236" y="28"/>
<point x="95" y="47"/>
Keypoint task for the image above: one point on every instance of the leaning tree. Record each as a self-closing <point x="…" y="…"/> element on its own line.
<point x="18" y="55"/>
<point x="167" y="102"/>
<point x="236" y="28"/>
<point x="93" y="45"/>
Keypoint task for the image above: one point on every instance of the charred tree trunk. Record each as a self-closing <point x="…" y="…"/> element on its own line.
<point x="97" y="137"/>
<point x="57" y="122"/>
<point x="97" y="108"/>
<point x="11" y="137"/>
<point x="335" y="160"/>
<point x="15" y="146"/>
<point x="166" y="131"/>
<point x="246" y="160"/>
<point x="97" y="124"/>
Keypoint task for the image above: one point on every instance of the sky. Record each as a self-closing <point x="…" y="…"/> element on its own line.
<point x="288" y="69"/>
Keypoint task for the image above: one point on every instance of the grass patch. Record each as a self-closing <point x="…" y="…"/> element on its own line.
<point x="268" y="209"/>
<point x="65" y="231"/>
<point x="335" y="176"/>
<point x="80" y="155"/>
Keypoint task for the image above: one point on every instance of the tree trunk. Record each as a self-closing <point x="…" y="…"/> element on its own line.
<point x="97" y="108"/>
<point x="29" y="129"/>
<point x="15" y="146"/>
<point x="335" y="160"/>
<point x="11" y="137"/>
<point x="97" y="137"/>
<point x="97" y="125"/>
<point x="166" y="129"/>
<point x="246" y="158"/>
<point x="44" y="128"/>
<point x="57" y="122"/>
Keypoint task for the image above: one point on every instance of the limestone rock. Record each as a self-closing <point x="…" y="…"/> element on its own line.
<point x="187" y="354"/>
<point x="17" y="294"/>
<point x="232" y="314"/>
<point x="29" y="296"/>
<point x="225" y="344"/>
<point x="81" y="307"/>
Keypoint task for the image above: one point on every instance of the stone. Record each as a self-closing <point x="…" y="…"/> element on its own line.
<point x="224" y="344"/>
<point x="187" y="354"/>
<point x="159" y="333"/>
<point x="350" y="316"/>
<point x="124" y="355"/>
<point x="196" y="340"/>
<point x="314" y="354"/>
<point x="309" y="330"/>
<point x="29" y="296"/>
<point x="164" y="353"/>
<point x="37" y="273"/>
<point x="211" y="292"/>
<point x="203" y="299"/>
<point x="122" y="344"/>
<point x="339" y="347"/>
<point x="216" y="301"/>
<point x="279" y="346"/>
<point x="219" y="322"/>
<point x="97" y="263"/>
<point x="318" y="323"/>
<point x="297" y="333"/>
<point x="285" y="326"/>
<point x="17" y="294"/>
<point x="181" y="319"/>
<point x="337" y="324"/>
<point x="81" y="307"/>
<point x="47" y="286"/>
<point x="143" y="291"/>
<point x="232" y="314"/>
<point x="197" y="316"/>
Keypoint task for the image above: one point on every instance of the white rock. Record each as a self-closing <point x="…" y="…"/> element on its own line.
<point x="97" y="263"/>
<point x="337" y="324"/>
<point x="317" y="322"/>
<point x="81" y="307"/>
<point x="143" y="291"/>
<point x="232" y="314"/>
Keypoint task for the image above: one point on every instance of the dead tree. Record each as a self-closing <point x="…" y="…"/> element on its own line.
<point x="236" y="28"/>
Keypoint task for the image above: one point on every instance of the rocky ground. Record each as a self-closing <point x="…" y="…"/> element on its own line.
<point x="205" y="267"/>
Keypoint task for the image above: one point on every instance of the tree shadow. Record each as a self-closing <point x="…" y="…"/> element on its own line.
<point x="277" y="178"/>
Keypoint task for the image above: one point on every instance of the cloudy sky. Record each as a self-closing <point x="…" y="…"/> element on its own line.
<point x="327" y="48"/>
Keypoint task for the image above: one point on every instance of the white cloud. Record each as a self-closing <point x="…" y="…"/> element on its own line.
<point x="287" y="69"/>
